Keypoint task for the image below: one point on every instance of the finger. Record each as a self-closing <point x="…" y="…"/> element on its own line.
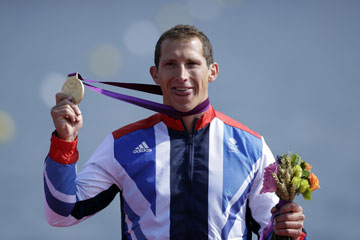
<point x="290" y="207"/>
<point x="65" y="111"/>
<point x="76" y="109"/>
<point x="297" y="225"/>
<point x="62" y="96"/>
<point x="77" y="112"/>
<point x="289" y="232"/>
<point x="63" y="99"/>
<point x="292" y="216"/>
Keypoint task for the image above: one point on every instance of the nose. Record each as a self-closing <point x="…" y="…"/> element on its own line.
<point x="182" y="74"/>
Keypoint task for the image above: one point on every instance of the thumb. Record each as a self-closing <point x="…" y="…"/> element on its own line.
<point x="274" y="210"/>
<point x="291" y="207"/>
<point x="61" y="96"/>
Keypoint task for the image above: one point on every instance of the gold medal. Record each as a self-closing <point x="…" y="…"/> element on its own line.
<point x="74" y="87"/>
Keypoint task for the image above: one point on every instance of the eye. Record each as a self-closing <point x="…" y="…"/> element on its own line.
<point x="169" y="64"/>
<point x="192" y="64"/>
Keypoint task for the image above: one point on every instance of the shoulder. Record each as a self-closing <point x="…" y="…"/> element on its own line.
<point x="141" y="124"/>
<point x="235" y="124"/>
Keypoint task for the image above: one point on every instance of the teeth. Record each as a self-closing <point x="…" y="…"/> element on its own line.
<point x="181" y="89"/>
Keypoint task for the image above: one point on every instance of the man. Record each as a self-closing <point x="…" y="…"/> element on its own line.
<point x="194" y="177"/>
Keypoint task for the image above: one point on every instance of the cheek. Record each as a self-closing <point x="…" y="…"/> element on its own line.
<point x="163" y="80"/>
<point x="204" y="81"/>
<point x="204" y="87"/>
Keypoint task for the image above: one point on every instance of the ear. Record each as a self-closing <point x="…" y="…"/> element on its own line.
<point x="153" y="73"/>
<point x="213" y="71"/>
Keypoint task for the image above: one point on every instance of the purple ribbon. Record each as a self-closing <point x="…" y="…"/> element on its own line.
<point x="270" y="227"/>
<point x="149" y="88"/>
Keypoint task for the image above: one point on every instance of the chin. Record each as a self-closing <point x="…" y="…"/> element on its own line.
<point x="185" y="107"/>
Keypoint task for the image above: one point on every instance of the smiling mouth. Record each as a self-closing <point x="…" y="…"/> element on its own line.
<point x="181" y="89"/>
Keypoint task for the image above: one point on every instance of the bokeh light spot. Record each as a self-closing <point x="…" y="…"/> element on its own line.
<point x="7" y="127"/>
<point x="172" y="14"/>
<point x="105" y="61"/>
<point x="141" y="37"/>
<point x="51" y="84"/>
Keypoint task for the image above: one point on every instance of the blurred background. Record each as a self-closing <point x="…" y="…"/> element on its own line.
<point x="289" y="69"/>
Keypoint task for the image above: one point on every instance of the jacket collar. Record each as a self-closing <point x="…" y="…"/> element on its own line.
<point x="176" y="123"/>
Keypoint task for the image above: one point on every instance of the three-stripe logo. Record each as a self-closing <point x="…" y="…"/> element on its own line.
<point x="143" y="147"/>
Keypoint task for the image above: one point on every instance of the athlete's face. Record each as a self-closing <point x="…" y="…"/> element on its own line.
<point x="183" y="74"/>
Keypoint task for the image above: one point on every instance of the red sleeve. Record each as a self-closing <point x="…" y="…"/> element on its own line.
<point x="62" y="151"/>
<point x="302" y="236"/>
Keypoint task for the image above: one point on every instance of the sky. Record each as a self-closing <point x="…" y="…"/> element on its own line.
<point x="289" y="69"/>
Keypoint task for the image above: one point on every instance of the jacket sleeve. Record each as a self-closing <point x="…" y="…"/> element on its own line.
<point x="70" y="197"/>
<point x="260" y="205"/>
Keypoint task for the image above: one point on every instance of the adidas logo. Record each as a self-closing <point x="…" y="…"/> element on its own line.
<point x="143" y="147"/>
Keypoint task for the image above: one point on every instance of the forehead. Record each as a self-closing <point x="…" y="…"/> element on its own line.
<point x="181" y="47"/>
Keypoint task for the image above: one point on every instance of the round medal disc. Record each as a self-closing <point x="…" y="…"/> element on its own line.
<point x="74" y="87"/>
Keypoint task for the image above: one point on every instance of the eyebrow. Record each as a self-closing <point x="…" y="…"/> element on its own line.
<point x="190" y="59"/>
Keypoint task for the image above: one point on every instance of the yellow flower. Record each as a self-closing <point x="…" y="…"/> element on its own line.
<point x="314" y="182"/>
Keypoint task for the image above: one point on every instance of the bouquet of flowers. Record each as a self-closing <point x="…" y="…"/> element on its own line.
<point x="287" y="177"/>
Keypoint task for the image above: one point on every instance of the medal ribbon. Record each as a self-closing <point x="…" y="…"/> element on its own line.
<point x="149" y="88"/>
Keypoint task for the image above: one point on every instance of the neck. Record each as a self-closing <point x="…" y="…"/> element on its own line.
<point x="189" y="121"/>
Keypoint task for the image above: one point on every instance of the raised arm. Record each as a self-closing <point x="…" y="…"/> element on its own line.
<point x="71" y="197"/>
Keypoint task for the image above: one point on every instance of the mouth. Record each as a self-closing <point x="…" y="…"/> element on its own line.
<point x="182" y="91"/>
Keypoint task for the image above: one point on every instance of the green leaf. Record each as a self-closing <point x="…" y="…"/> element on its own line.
<point x="295" y="160"/>
<point x="303" y="164"/>
<point x="305" y="174"/>
<point x="307" y="194"/>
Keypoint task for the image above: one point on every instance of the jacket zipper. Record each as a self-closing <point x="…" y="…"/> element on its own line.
<point x="190" y="151"/>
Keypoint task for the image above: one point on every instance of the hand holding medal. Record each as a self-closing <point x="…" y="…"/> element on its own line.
<point x="66" y="114"/>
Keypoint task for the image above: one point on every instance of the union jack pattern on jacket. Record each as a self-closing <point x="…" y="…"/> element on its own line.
<point x="173" y="185"/>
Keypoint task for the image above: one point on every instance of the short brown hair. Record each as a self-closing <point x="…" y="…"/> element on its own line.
<point x="185" y="32"/>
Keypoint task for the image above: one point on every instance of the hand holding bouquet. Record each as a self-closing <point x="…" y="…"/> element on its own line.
<point x="288" y="177"/>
